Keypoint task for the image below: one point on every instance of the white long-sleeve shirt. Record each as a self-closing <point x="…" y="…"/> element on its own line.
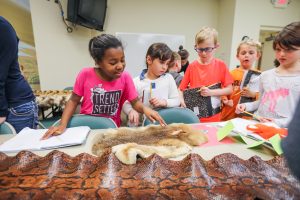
<point x="163" y="87"/>
<point x="279" y="95"/>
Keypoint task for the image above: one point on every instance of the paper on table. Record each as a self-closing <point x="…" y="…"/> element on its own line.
<point x="225" y="131"/>
<point x="29" y="139"/>
<point x="255" y="144"/>
<point x="275" y="141"/>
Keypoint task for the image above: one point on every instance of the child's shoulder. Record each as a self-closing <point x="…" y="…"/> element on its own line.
<point x="86" y="71"/>
<point x="255" y="71"/>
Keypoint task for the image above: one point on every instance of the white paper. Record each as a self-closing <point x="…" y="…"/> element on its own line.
<point x="29" y="139"/>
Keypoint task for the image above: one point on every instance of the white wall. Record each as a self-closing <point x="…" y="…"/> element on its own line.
<point x="61" y="55"/>
<point x="251" y="15"/>
<point x="225" y="29"/>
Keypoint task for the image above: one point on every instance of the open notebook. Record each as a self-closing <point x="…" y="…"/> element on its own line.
<point x="29" y="139"/>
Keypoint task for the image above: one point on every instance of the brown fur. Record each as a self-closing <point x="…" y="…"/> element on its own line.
<point x="170" y="141"/>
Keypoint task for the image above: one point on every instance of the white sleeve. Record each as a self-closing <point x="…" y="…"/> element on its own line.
<point x="254" y="83"/>
<point x="253" y="106"/>
<point x="173" y="97"/>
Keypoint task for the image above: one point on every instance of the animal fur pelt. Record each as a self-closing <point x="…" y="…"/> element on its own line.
<point x="168" y="142"/>
<point x="49" y="98"/>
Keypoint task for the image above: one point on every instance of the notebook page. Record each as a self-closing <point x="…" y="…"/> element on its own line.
<point x="72" y="136"/>
<point x="27" y="139"/>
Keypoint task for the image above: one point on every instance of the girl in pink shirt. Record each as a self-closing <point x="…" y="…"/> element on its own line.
<point x="104" y="88"/>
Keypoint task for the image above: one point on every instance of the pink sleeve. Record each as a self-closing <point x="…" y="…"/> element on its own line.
<point x="130" y="92"/>
<point x="79" y="83"/>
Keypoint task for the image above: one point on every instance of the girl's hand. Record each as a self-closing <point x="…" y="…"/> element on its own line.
<point x="206" y="92"/>
<point x="228" y="102"/>
<point x="158" y="102"/>
<point x="182" y="103"/>
<point x="240" y="108"/>
<point x="134" y="117"/>
<point x="53" y="131"/>
<point x="248" y="93"/>
<point x="265" y="119"/>
<point x="153" y="116"/>
<point x="2" y="119"/>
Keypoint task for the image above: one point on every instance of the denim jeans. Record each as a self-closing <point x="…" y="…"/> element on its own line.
<point x="25" y="115"/>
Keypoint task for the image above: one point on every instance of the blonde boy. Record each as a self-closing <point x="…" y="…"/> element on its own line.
<point x="174" y="67"/>
<point x="206" y="71"/>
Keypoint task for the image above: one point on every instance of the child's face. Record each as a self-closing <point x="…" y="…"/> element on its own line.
<point x="287" y="57"/>
<point x="112" y="64"/>
<point x="247" y="56"/>
<point x="157" y="67"/>
<point x="206" y="50"/>
<point x="178" y="63"/>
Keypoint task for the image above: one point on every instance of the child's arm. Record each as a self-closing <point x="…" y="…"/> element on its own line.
<point x="205" y="91"/>
<point x="150" y="114"/>
<point x="67" y="114"/>
<point x="246" y="92"/>
<point x="182" y="103"/>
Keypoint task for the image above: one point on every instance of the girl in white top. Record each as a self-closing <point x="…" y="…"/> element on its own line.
<point x="280" y="87"/>
<point x="155" y="87"/>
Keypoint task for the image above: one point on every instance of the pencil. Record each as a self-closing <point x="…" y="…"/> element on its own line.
<point x="238" y="93"/>
<point x="206" y="86"/>
<point x="254" y="116"/>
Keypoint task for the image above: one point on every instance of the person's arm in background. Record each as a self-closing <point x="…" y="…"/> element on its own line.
<point x="290" y="144"/>
<point x="8" y="52"/>
<point x="173" y="96"/>
<point x="150" y="114"/>
<point x="173" y="99"/>
<point x="251" y="106"/>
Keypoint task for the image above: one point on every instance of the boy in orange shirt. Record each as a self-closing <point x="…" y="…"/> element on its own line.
<point x="246" y="80"/>
<point x="206" y="71"/>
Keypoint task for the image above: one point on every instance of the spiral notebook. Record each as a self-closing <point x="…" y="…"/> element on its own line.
<point x="30" y="139"/>
<point x="200" y="105"/>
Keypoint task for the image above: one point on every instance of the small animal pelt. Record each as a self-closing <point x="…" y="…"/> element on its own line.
<point x="129" y="143"/>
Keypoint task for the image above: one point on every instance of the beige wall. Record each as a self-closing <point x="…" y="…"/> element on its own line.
<point x="225" y="28"/>
<point x="62" y="55"/>
<point x="251" y="15"/>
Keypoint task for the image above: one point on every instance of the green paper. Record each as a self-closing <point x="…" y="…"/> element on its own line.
<point x="244" y="138"/>
<point x="255" y="144"/>
<point x="225" y="131"/>
<point x="275" y="141"/>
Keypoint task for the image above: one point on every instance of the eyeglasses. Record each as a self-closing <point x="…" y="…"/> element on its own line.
<point x="206" y="50"/>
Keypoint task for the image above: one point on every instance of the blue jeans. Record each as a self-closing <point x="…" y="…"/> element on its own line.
<point x="25" y="115"/>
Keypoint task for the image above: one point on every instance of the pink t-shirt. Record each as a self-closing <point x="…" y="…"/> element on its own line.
<point x="103" y="98"/>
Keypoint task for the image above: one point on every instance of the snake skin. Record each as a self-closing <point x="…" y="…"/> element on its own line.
<point x="60" y="176"/>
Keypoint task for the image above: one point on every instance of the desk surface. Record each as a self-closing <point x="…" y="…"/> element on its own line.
<point x="206" y="153"/>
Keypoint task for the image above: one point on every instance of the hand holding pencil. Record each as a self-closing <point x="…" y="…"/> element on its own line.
<point x="205" y="91"/>
<point x="241" y="108"/>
